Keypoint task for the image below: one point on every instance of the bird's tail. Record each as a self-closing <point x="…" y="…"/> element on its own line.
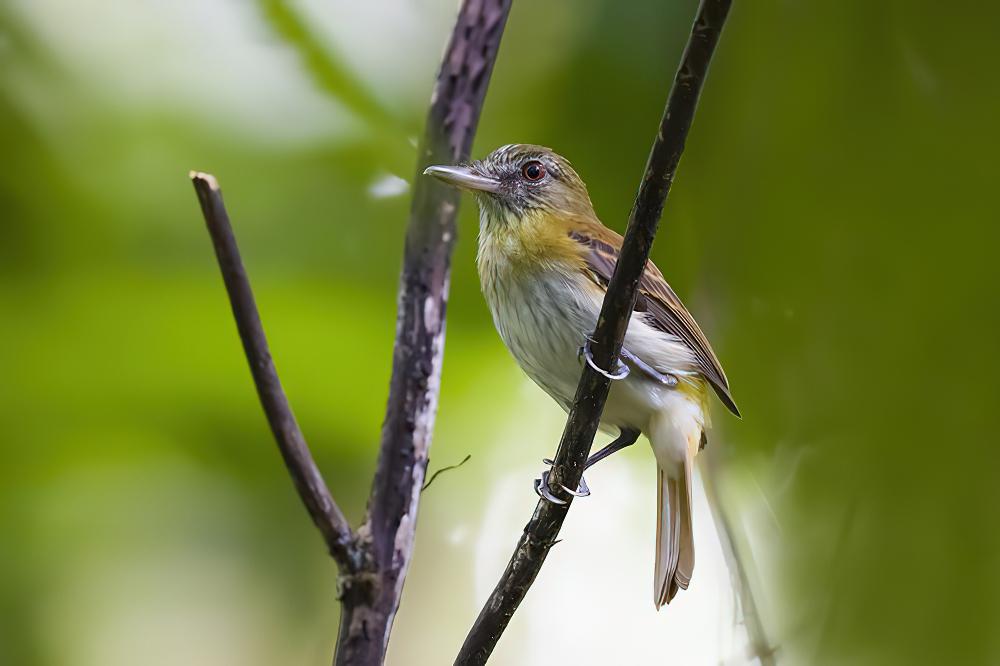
<point x="674" y="534"/>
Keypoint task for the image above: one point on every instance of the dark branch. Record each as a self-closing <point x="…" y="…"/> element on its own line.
<point x="541" y="531"/>
<point x="420" y="326"/>
<point x="306" y="476"/>
<point x="373" y="562"/>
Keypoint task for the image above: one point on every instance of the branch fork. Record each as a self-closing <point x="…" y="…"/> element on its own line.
<point x="373" y="560"/>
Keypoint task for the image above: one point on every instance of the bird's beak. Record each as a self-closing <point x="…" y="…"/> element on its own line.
<point x="464" y="178"/>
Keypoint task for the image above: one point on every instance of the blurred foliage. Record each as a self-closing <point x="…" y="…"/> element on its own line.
<point x="832" y="227"/>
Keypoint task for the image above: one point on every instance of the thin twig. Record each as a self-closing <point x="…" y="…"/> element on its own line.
<point x="836" y="572"/>
<point x="445" y="469"/>
<point x="732" y="538"/>
<point x="308" y="481"/>
<point x="592" y="391"/>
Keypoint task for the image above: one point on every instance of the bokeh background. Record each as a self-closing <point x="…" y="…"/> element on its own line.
<point x="833" y="227"/>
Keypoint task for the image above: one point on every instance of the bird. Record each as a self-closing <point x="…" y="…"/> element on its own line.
<point x="544" y="261"/>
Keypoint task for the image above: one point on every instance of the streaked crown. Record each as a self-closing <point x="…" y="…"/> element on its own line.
<point x="532" y="177"/>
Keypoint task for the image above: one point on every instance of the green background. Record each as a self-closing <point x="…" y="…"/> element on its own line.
<point x="833" y="227"/>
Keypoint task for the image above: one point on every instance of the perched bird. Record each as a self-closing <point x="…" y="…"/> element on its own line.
<point x="545" y="261"/>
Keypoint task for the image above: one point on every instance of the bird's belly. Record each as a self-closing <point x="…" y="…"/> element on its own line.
<point x="544" y="322"/>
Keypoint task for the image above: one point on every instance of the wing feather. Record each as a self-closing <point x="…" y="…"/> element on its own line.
<point x="662" y="306"/>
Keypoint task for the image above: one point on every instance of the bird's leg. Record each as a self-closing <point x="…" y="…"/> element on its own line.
<point x="648" y="370"/>
<point x="621" y="370"/>
<point x="626" y="438"/>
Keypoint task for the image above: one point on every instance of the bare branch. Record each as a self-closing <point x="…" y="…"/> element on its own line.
<point x="373" y="562"/>
<point x="420" y="326"/>
<point x="308" y="481"/>
<point x="541" y="531"/>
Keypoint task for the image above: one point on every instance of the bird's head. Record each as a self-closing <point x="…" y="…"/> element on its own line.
<point x="519" y="181"/>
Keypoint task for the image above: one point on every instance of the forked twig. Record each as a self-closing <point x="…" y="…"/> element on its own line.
<point x="373" y="561"/>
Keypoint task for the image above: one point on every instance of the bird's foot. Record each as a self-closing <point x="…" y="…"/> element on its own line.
<point x="545" y="492"/>
<point x="621" y="370"/>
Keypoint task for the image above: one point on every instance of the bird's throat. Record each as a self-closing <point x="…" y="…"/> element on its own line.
<point x="536" y="240"/>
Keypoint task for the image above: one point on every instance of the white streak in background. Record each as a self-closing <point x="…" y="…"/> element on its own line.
<point x="767" y="505"/>
<point x="593" y="600"/>
<point x="395" y="46"/>
<point x="214" y="60"/>
<point x="458" y="535"/>
<point x="386" y="186"/>
<point x="918" y="67"/>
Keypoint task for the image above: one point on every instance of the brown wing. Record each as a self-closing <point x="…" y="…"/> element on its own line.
<point x="658" y="300"/>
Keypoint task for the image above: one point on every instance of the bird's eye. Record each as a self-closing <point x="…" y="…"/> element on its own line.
<point x="533" y="171"/>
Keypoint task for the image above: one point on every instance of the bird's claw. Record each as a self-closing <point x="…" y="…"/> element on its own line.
<point x="581" y="491"/>
<point x="545" y="492"/>
<point x="542" y="489"/>
<point x="621" y="370"/>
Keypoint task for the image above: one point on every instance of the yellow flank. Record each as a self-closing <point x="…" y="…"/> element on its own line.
<point x="696" y="388"/>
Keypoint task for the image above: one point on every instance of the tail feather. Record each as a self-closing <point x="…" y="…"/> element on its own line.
<point x="674" y="535"/>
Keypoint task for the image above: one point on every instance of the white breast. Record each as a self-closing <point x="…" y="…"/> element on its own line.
<point x="544" y="319"/>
